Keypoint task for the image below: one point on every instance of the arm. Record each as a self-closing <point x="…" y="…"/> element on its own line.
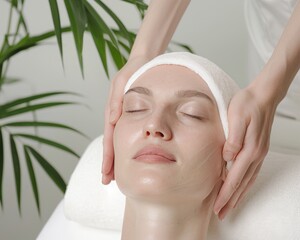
<point x="158" y="27"/>
<point x="156" y="31"/>
<point x="284" y="63"/>
<point x="250" y="128"/>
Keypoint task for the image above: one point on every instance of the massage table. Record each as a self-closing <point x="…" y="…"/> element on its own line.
<point x="271" y="210"/>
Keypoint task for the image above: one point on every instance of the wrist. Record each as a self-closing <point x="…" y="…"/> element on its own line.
<point x="140" y="54"/>
<point x="272" y="82"/>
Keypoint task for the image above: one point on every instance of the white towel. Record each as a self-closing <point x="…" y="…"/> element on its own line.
<point x="220" y="84"/>
<point x="89" y="202"/>
<point x="270" y="211"/>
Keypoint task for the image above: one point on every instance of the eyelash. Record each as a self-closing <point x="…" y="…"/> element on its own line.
<point x="193" y="116"/>
<point x="141" y="110"/>
<point x="134" y="111"/>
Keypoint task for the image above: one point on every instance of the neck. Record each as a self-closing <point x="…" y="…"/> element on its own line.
<point x="180" y="221"/>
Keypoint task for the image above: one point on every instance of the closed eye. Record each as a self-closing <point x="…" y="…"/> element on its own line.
<point x="193" y="116"/>
<point x="134" y="111"/>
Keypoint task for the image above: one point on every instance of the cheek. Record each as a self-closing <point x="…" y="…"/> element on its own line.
<point x="202" y="161"/>
<point x="121" y="149"/>
<point x="125" y="135"/>
<point x="126" y="138"/>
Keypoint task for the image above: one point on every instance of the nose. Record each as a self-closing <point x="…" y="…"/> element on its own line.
<point x="158" y="126"/>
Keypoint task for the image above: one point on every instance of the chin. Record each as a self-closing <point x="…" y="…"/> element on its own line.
<point x="147" y="183"/>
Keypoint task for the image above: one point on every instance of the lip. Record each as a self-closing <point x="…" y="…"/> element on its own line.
<point x="154" y="154"/>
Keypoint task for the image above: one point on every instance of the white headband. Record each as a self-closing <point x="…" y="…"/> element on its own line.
<point x="220" y="84"/>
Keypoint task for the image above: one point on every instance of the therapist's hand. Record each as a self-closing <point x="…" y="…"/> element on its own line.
<point x="113" y="111"/>
<point x="250" y="116"/>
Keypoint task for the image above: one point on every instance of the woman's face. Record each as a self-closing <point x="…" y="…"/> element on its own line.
<point x="168" y="140"/>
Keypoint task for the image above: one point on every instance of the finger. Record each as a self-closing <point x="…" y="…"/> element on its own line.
<point x="252" y="170"/>
<point x="233" y="179"/>
<point x="108" y="151"/>
<point x="246" y="190"/>
<point x="107" y="178"/>
<point x="239" y="167"/>
<point x="236" y="135"/>
<point x="248" y="176"/>
<point x="250" y="184"/>
<point x="223" y="212"/>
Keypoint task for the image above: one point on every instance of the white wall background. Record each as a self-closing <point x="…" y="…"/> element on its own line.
<point x="214" y="29"/>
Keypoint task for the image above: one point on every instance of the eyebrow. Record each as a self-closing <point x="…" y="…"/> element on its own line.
<point x="140" y="90"/>
<point x="180" y="93"/>
<point x="192" y="93"/>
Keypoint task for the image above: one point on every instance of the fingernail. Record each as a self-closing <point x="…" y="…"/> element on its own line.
<point x="104" y="179"/>
<point x="217" y="210"/>
<point x="112" y="116"/>
<point x="222" y="217"/>
<point x="228" y="156"/>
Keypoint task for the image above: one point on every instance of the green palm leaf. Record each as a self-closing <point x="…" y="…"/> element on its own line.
<point x="9" y="113"/>
<point x="49" y="169"/>
<point x="43" y="124"/>
<point x="26" y="43"/>
<point x="121" y="26"/>
<point x="125" y="47"/>
<point x="1" y="77"/>
<point x="9" y="80"/>
<point x="21" y="22"/>
<point x="140" y="5"/>
<point x="17" y="169"/>
<point x="14" y="3"/>
<point x="98" y="38"/>
<point x="105" y="29"/>
<point x="78" y="20"/>
<point x="117" y="56"/>
<point x="32" y="178"/>
<point x="48" y="142"/>
<point x="57" y="24"/>
<point x="34" y="97"/>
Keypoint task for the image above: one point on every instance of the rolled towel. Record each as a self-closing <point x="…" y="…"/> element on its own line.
<point x="89" y="202"/>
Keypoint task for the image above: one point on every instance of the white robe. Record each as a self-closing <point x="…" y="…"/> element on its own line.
<point x="266" y="20"/>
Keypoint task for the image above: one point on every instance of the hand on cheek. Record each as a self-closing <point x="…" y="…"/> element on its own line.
<point x="246" y="146"/>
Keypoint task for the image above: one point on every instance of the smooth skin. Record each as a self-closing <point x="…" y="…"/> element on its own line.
<point x="249" y="127"/>
<point x="173" y="200"/>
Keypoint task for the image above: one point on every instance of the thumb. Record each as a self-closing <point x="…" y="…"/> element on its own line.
<point x="235" y="140"/>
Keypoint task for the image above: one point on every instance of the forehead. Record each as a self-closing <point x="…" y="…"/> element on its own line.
<point x="165" y="78"/>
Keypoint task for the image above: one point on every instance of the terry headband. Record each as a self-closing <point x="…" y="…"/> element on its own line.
<point x="220" y="84"/>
